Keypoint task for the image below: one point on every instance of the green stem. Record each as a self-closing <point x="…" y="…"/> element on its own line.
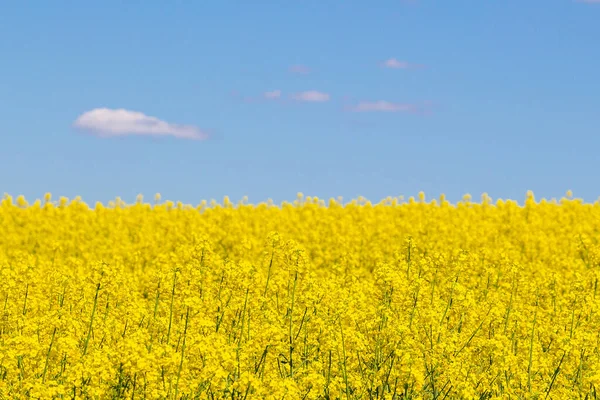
<point x="531" y="352"/>
<point x="48" y="355"/>
<point x="269" y="273"/>
<point x="344" y="362"/>
<point x="291" y="338"/>
<point x="171" y="307"/>
<point x="187" y="317"/>
<point x="89" y="334"/>
<point x="25" y="301"/>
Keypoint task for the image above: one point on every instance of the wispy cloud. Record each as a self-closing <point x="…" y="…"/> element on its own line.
<point x="106" y="122"/>
<point x="383" y="106"/>
<point x="271" y="95"/>
<point x="299" y="69"/>
<point x="398" y="64"/>
<point x="311" y="96"/>
<point x="274" y="94"/>
<point x="277" y="96"/>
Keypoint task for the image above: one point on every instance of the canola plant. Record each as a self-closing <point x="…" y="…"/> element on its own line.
<point x="309" y="299"/>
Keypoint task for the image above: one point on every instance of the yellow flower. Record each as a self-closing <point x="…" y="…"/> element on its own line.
<point x="302" y="300"/>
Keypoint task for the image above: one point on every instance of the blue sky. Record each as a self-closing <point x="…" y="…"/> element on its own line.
<point x="489" y="96"/>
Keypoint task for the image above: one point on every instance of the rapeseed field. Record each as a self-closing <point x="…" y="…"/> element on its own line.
<point x="310" y="299"/>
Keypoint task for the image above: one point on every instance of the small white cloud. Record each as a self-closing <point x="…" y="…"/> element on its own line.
<point x="106" y="122"/>
<point x="312" y="96"/>
<point x="299" y="69"/>
<point x="397" y="64"/>
<point x="274" y="94"/>
<point x="383" y="106"/>
<point x="393" y="63"/>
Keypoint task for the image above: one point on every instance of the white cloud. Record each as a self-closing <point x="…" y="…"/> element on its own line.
<point x="383" y="106"/>
<point x="106" y="122"/>
<point x="299" y="69"/>
<point x="311" y="95"/>
<point x="274" y="94"/>
<point x="393" y="63"/>
<point x="397" y="64"/>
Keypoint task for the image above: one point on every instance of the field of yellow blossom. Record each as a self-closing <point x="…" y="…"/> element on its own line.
<point x="413" y="299"/>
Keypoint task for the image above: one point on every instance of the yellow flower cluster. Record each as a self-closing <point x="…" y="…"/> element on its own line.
<point x="402" y="299"/>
